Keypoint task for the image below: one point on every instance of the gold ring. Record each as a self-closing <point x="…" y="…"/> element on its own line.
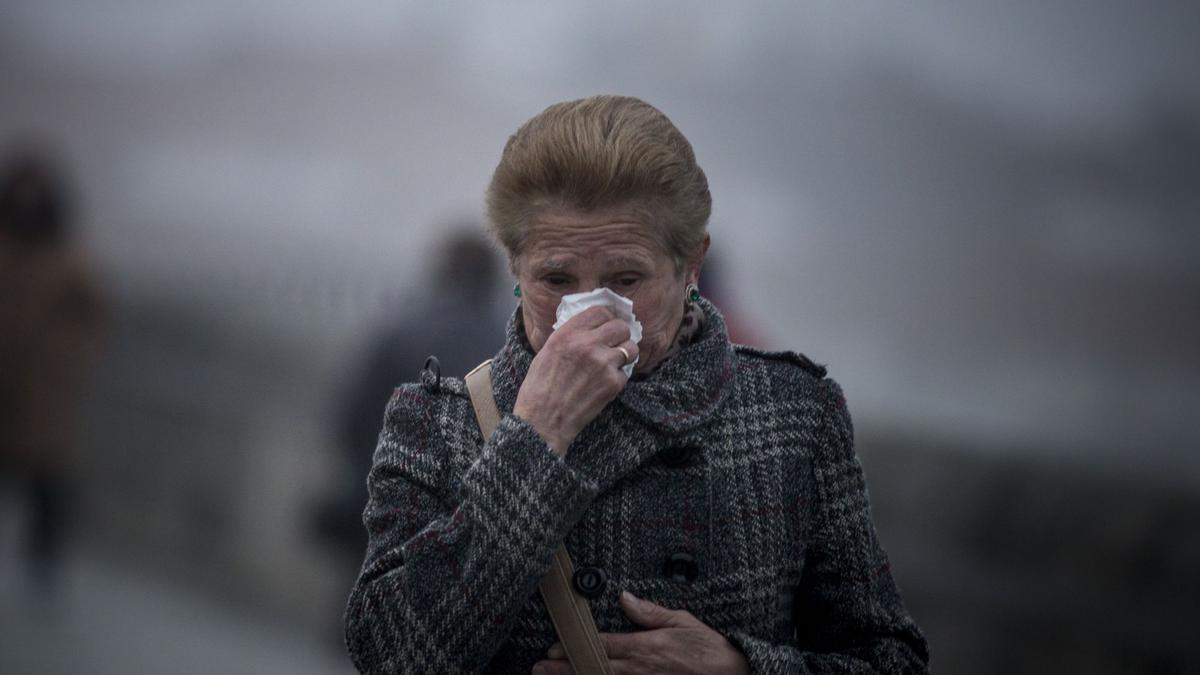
<point x="622" y="350"/>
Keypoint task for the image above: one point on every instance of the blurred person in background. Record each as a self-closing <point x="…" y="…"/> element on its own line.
<point x="457" y="320"/>
<point x="719" y="483"/>
<point x="50" y="309"/>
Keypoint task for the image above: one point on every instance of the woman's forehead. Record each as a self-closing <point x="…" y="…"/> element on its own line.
<point x="554" y="260"/>
<point x="614" y="240"/>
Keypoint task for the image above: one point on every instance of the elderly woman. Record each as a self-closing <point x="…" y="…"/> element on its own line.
<point x="715" y="493"/>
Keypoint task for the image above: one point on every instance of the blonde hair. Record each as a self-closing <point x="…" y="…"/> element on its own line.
<point x="596" y="153"/>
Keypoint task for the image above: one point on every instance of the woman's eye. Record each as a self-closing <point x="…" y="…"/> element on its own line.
<point x="555" y="281"/>
<point x="626" y="282"/>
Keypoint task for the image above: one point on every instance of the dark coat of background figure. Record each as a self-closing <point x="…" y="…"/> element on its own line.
<point x="50" y="314"/>
<point x="459" y="325"/>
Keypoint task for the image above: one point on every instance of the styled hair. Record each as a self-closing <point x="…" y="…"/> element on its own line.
<point x="597" y="153"/>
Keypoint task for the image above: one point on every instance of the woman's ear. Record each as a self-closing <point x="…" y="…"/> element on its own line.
<point x="697" y="261"/>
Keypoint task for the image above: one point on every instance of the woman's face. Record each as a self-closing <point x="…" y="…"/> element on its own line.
<point x="570" y="251"/>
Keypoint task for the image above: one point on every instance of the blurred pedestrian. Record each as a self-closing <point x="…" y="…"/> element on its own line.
<point x="50" y="309"/>
<point x="458" y="320"/>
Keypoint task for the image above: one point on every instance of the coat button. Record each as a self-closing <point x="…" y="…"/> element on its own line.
<point x="681" y="568"/>
<point x="677" y="456"/>
<point x="590" y="581"/>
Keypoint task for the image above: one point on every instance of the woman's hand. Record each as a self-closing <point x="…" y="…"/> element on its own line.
<point x="575" y="374"/>
<point x="674" y="642"/>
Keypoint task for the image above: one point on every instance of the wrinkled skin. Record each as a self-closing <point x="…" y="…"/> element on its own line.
<point x="577" y="369"/>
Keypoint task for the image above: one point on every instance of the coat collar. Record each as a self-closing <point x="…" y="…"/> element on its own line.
<point x="677" y="397"/>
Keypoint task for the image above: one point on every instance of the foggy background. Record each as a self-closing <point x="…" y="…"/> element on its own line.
<point x="984" y="218"/>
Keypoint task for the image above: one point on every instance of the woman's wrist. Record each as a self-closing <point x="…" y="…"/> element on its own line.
<point x="557" y="441"/>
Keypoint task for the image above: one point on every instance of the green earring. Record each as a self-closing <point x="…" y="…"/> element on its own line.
<point x="517" y="290"/>
<point x="692" y="293"/>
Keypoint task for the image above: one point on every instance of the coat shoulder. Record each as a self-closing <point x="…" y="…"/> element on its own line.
<point x="801" y="364"/>
<point x="433" y="411"/>
<point x="429" y="433"/>
<point x="429" y="394"/>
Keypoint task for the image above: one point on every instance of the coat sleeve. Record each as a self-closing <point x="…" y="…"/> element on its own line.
<point x="451" y="558"/>
<point x="848" y="614"/>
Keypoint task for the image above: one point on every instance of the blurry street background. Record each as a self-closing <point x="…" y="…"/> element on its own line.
<point x="984" y="217"/>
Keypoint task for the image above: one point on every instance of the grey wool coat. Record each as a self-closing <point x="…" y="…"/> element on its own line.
<point x="725" y="483"/>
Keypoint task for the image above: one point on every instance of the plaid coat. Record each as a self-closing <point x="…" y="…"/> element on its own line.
<point x="725" y="483"/>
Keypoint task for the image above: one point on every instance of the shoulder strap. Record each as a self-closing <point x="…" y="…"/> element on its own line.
<point x="568" y="610"/>
<point x="479" y="386"/>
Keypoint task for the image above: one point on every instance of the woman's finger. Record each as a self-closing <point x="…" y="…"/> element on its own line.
<point x="617" y="646"/>
<point x="626" y="353"/>
<point x="612" y="332"/>
<point x="632" y="349"/>
<point x="624" y="645"/>
<point x="649" y="615"/>
<point x="628" y="667"/>
<point x="591" y="317"/>
<point x="553" y="667"/>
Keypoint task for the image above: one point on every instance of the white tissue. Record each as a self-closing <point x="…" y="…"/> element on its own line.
<point x="577" y="302"/>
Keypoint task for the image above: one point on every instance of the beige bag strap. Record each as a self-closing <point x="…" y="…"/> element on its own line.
<point x="568" y="610"/>
<point x="479" y="386"/>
